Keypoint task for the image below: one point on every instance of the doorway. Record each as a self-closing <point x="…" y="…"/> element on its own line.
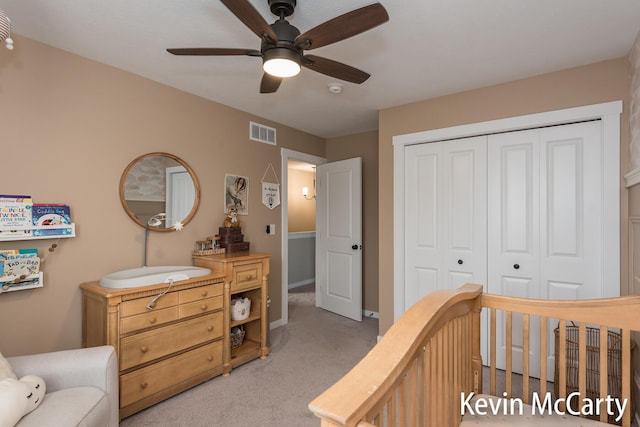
<point x="302" y="167"/>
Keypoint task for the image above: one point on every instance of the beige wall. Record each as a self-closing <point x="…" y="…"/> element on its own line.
<point x="364" y="145"/>
<point x="302" y="212"/>
<point x="591" y="84"/>
<point x="68" y="128"/>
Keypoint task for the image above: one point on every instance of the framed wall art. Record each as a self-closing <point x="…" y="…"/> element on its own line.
<point x="236" y="193"/>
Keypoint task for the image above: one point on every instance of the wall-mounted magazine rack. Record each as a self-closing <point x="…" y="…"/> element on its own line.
<point x="14" y="283"/>
<point x="67" y="230"/>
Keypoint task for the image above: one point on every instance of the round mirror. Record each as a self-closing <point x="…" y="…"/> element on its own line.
<point x="159" y="191"/>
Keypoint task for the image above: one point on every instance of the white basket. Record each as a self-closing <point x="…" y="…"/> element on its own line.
<point x="240" y="308"/>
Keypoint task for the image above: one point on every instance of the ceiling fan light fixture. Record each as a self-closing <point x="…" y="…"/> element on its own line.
<point x="281" y="62"/>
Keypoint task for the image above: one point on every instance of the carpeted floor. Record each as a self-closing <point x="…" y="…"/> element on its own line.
<point x="307" y="355"/>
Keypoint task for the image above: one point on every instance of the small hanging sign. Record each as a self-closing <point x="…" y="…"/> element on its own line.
<point x="270" y="191"/>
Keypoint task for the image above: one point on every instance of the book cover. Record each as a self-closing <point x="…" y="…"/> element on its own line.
<point x="15" y="216"/>
<point x="51" y="215"/>
<point x="22" y="265"/>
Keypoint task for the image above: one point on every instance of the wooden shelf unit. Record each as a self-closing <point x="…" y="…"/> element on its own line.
<point x="162" y="351"/>
<point x="246" y="274"/>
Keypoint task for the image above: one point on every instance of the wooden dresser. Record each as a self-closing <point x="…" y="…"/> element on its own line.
<point x="246" y="276"/>
<point x="162" y="351"/>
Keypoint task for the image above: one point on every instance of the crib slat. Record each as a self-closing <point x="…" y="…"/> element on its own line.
<point x="420" y="386"/>
<point x="582" y="361"/>
<point x="543" y="355"/>
<point x="604" y="346"/>
<point x="492" y="351"/>
<point x="525" y="358"/>
<point x="562" y="363"/>
<point x="626" y="375"/>
<point x="509" y="352"/>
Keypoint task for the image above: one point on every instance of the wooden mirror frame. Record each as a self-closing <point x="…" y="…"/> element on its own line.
<point x="134" y="217"/>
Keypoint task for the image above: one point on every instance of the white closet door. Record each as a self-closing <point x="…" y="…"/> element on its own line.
<point x="545" y="222"/>
<point x="445" y="216"/>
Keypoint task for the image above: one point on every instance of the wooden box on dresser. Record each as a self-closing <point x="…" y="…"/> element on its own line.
<point x="164" y="350"/>
<point x="246" y="275"/>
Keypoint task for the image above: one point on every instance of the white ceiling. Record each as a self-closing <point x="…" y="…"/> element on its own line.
<point x="429" y="48"/>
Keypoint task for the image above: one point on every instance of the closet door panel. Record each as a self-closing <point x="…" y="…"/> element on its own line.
<point x="571" y="229"/>
<point x="423" y="237"/>
<point x="464" y="217"/>
<point x="513" y="191"/>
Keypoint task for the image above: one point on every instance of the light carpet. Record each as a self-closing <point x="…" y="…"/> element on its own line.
<point x="310" y="353"/>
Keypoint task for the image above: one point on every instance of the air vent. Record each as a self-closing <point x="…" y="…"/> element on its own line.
<point x="262" y="133"/>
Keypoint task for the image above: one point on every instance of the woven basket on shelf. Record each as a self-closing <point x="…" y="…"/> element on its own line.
<point x="237" y="337"/>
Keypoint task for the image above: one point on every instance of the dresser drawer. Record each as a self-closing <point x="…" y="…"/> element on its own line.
<point x="151" y="318"/>
<point x="139" y="306"/>
<point x="152" y="379"/>
<point x="196" y="294"/>
<point x="150" y="345"/>
<point x="246" y="276"/>
<point x="201" y="306"/>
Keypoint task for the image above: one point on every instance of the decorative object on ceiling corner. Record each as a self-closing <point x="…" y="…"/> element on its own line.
<point x="5" y="30"/>
<point x="270" y="191"/>
<point x="305" y="190"/>
<point x="262" y="133"/>
<point x="282" y="48"/>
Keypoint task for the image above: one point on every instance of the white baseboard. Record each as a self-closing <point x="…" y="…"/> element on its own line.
<point x="276" y="324"/>
<point x="632" y="178"/>
<point x="301" y="283"/>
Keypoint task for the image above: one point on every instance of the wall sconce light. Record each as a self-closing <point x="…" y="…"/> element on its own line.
<point x="305" y="190"/>
<point x="305" y="193"/>
<point x="5" y="30"/>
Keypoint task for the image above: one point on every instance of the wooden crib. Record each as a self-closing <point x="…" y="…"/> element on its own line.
<point x="427" y="364"/>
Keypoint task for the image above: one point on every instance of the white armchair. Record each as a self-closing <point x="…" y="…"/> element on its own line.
<point x="82" y="387"/>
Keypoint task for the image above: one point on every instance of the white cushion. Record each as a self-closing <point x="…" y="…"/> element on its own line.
<point x="77" y="406"/>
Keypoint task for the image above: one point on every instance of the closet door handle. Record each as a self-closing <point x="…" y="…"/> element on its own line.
<point x="516" y="266"/>
<point x="460" y="262"/>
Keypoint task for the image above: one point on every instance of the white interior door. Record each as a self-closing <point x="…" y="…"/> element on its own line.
<point x="339" y="237"/>
<point x="445" y="216"/>
<point x="180" y="196"/>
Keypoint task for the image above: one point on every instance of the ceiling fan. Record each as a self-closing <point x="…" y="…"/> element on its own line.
<point x="282" y="48"/>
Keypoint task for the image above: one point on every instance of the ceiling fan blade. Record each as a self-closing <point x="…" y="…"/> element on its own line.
<point x="250" y="17"/>
<point x="344" y="26"/>
<point x="213" y="51"/>
<point x="335" y="69"/>
<point x="269" y="83"/>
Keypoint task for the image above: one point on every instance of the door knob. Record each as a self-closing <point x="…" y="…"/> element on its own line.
<point x="356" y="247"/>
<point x="516" y="266"/>
<point x="460" y="262"/>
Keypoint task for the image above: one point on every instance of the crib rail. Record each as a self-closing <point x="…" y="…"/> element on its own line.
<point x="416" y="374"/>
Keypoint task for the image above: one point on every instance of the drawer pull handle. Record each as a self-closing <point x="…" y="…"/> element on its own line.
<point x="204" y="307"/>
<point x="143" y="385"/>
<point x="209" y="328"/>
<point x="144" y="349"/>
<point x="153" y="320"/>
<point x="210" y="358"/>
<point x="205" y="293"/>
